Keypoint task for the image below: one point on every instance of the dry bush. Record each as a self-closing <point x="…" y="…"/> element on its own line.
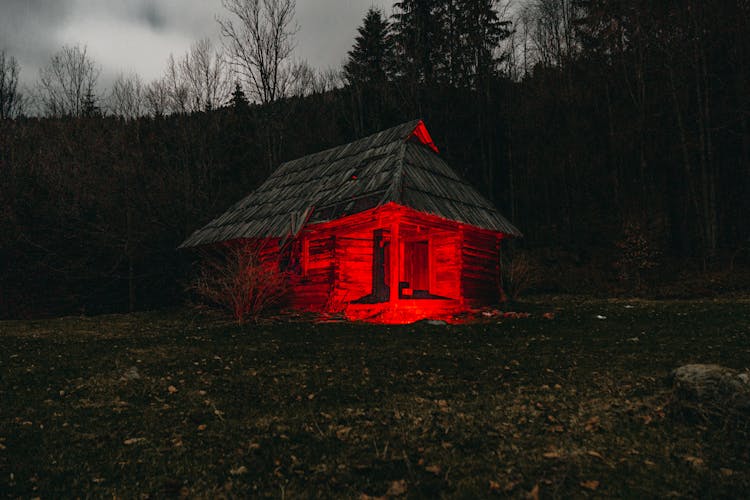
<point x="637" y="254"/>
<point x="236" y="279"/>
<point x="518" y="273"/>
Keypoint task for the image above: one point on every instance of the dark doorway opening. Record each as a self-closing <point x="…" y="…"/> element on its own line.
<point x="381" y="292"/>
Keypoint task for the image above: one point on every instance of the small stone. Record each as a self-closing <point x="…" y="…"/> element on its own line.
<point x="130" y="374"/>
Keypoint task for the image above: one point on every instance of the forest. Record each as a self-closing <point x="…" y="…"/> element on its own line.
<point x="613" y="134"/>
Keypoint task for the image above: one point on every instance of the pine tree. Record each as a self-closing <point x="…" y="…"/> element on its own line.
<point x="368" y="71"/>
<point x="481" y="31"/>
<point x="418" y="31"/>
<point x="447" y="42"/>
<point x="90" y="107"/>
<point x="239" y="101"/>
<point x="370" y="59"/>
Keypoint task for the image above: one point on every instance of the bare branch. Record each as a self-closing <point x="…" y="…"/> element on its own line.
<point x="67" y="81"/>
<point x="259" y="41"/>
<point x="127" y="98"/>
<point x="12" y="101"/>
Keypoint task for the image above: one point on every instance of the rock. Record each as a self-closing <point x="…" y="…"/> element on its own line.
<point x="431" y="322"/>
<point x="131" y="374"/>
<point x="716" y="386"/>
<point x="436" y="322"/>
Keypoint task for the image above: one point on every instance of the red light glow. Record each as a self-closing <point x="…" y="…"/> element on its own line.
<point x="423" y="135"/>
<point x="393" y="264"/>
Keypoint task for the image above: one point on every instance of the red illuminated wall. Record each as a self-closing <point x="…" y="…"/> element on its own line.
<point x="337" y="273"/>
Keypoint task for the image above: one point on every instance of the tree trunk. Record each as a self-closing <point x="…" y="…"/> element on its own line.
<point x="705" y="156"/>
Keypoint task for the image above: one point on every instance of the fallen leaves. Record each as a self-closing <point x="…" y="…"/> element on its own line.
<point x="592" y="424"/>
<point x="534" y="493"/>
<point x="397" y="488"/>
<point x="694" y="461"/>
<point x="130" y="441"/>
<point x="172" y="389"/>
<point x="435" y="469"/>
<point x="591" y="484"/>
<point x="443" y="405"/>
<point x="238" y="471"/>
<point x="343" y="432"/>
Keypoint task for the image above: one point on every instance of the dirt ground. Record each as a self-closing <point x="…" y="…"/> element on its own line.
<point x="574" y="404"/>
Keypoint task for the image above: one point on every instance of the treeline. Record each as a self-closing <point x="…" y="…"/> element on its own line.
<point x="614" y="134"/>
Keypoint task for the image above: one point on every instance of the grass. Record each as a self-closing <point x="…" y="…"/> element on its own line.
<point x="172" y="403"/>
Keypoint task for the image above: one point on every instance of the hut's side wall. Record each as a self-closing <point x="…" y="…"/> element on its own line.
<point x="311" y="289"/>
<point x="445" y="264"/>
<point x="479" y="267"/>
<point x="353" y="267"/>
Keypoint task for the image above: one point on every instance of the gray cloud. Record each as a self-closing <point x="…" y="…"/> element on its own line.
<point x="27" y="30"/>
<point x="138" y="35"/>
<point x="153" y="16"/>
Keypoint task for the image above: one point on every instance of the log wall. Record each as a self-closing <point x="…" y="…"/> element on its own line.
<point x="464" y="262"/>
<point x="311" y="289"/>
<point x="480" y="261"/>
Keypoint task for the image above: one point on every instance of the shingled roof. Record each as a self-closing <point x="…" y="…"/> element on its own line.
<point x="399" y="165"/>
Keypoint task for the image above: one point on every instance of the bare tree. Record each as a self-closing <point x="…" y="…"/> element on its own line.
<point x="204" y="71"/>
<point x="303" y="80"/>
<point x="68" y="82"/>
<point x="127" y="97"/>
<point x="259" y="40"/>
<point x="177" y="88"/>
<point x="329" y="79"/>
<point x="11" y="99"/>
<point x="550" y="26"/>
<point x="156" y="97"/>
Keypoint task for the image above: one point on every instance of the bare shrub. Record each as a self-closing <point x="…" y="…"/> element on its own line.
<point x="236" y="279"/>
<point x="518" y="273"/>
<point x="637" y="254"/>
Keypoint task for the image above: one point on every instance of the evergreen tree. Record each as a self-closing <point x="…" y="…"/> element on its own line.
<point x="239" y="101"/>
<point x="368" y="71"/>
<point x="370" y="59"/>
<point x="90" y="107"/>
<point x="447" y="42"/>
<point x="417" y="32"/>
<point x="480" y="31"/>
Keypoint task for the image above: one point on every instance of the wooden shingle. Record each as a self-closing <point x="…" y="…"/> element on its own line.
<point x="389" y="166"/>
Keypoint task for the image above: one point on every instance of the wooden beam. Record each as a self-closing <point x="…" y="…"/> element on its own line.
<point x="395" y="260"/>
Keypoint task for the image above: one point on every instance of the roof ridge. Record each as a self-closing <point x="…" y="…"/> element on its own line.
<point x="412" y="125"/>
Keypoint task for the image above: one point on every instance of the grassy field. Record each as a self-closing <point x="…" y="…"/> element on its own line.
<point x="176" y="404"/>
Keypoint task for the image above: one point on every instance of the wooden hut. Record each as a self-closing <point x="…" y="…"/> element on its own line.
<point x="381" y="229"/>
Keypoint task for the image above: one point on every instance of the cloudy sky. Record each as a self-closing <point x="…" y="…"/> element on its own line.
<point x="138" y="35"/>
